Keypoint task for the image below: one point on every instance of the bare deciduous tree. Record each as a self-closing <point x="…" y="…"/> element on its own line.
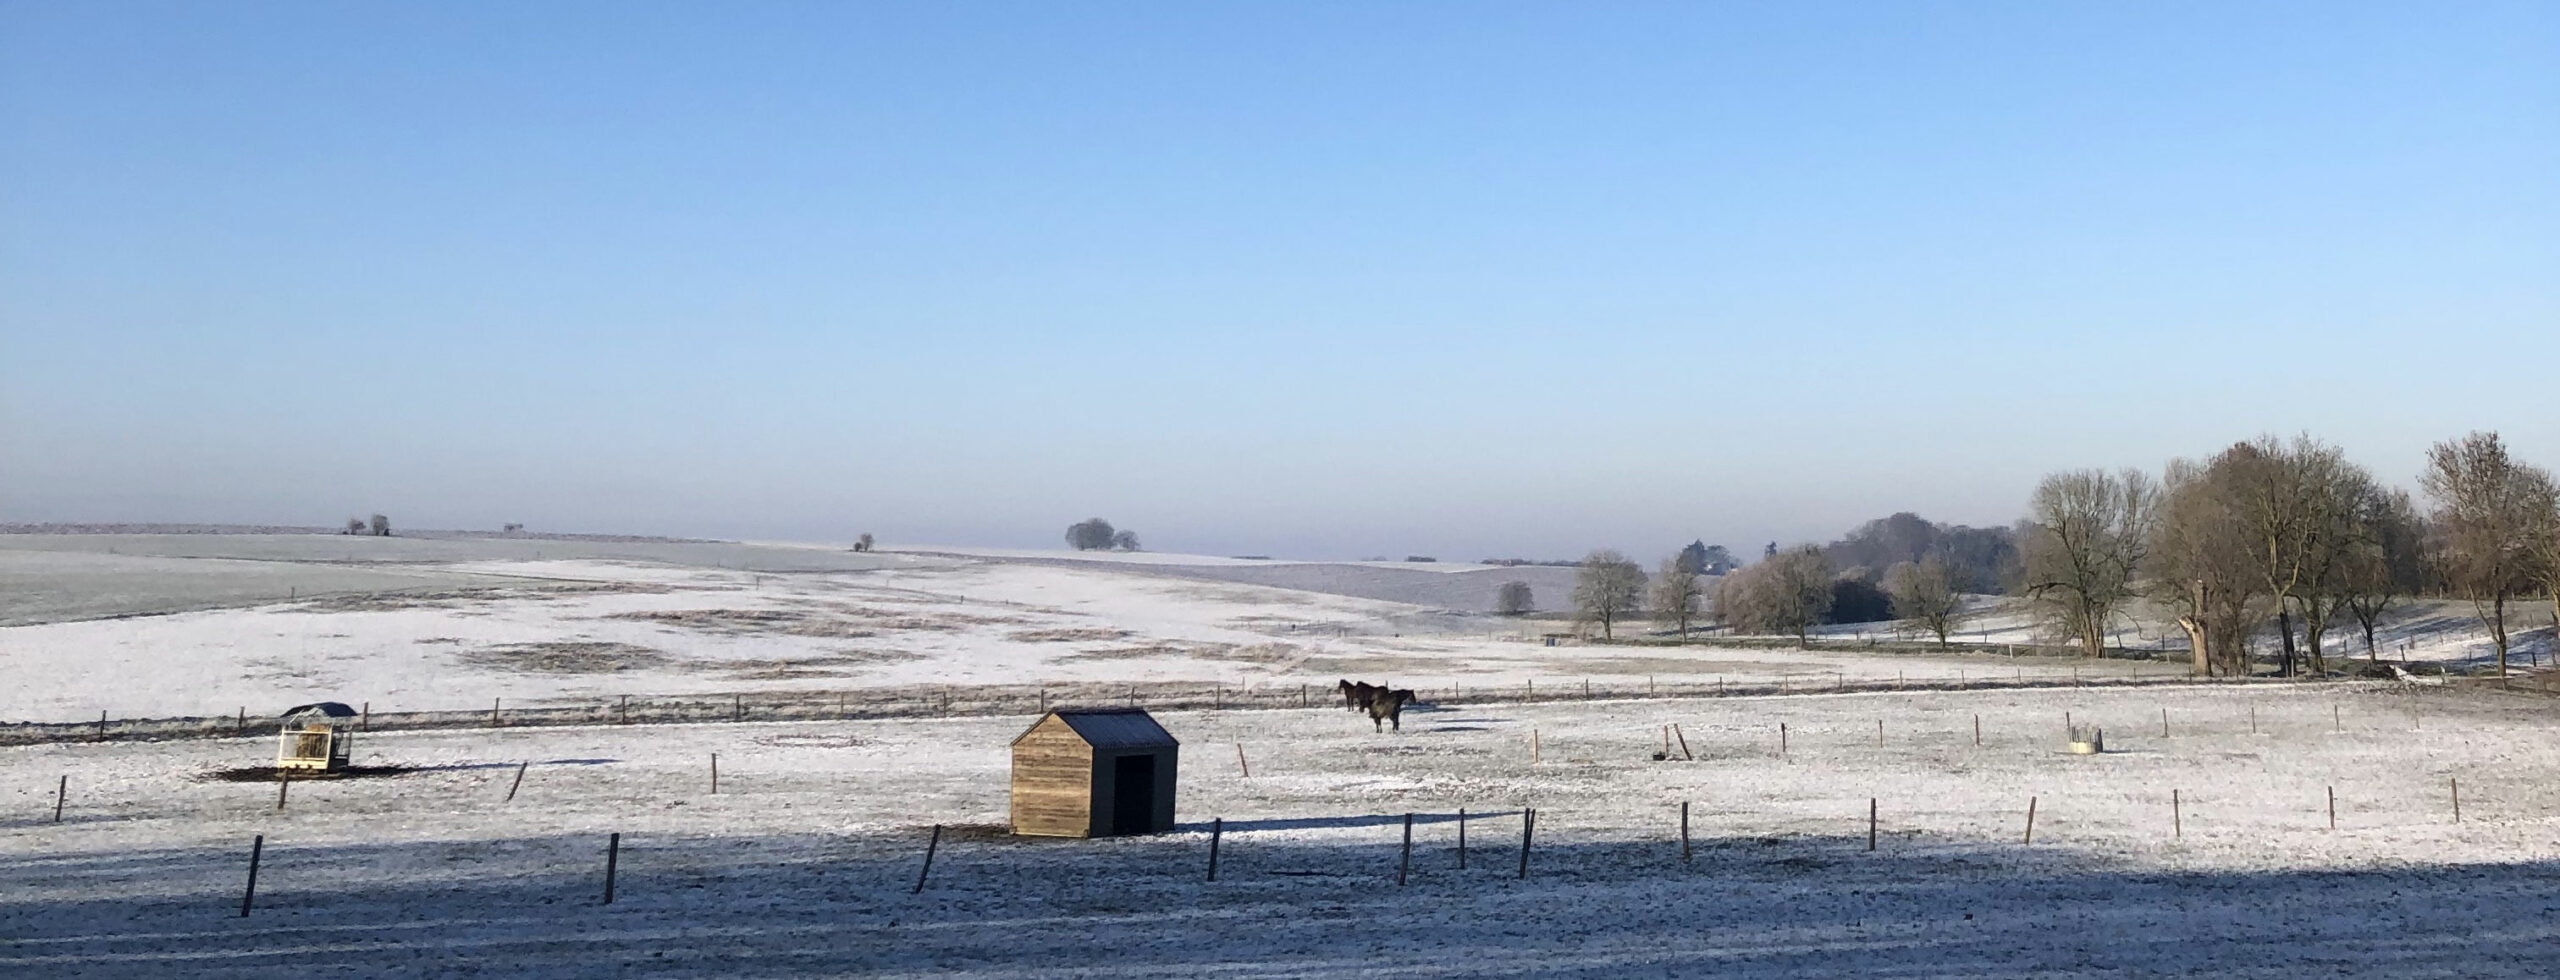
<point x="355" y="525"/>
<point x="1513" y="599"/>
<point x="2485" y="519"/>
<point x="1124" y="540"/>
<point x="2387" y="565"/>
<point x="2300" y="501"/>
<point x="381" y="526"/>
<point x="1676" y="591"/>
<point x="862" y="543"/>
<point x="2084" y="537"/>
<point x="1787" y="592"/>
<point x="2201" y="562"/>
<point x="1925" y="592"/>
<point x="1609" y="587"/>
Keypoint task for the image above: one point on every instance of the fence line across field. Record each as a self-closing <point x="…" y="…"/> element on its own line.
<point x="1215" y="834"/>
<point x="1010" y="700"/>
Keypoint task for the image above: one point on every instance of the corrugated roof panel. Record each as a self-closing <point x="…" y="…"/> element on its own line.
<point x="1122" y="729"/>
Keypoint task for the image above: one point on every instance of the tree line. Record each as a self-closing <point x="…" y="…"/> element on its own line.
<point x="2268" y="532"/>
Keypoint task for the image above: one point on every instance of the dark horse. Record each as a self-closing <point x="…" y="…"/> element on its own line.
<point x="1388" y="706"/>
<point x="1357" y="695"/>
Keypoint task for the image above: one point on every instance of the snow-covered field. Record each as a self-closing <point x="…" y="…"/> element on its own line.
<point x="443" y="630"/>
<point x="803" y="863"/>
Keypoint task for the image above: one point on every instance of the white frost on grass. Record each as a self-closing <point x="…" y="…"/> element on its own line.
<point x="804" y="862"/>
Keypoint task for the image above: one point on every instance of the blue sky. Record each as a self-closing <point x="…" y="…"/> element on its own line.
<point x="1304" y="279"/>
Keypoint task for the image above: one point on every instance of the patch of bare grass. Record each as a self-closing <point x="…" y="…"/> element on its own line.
<point x="565" y="657"/>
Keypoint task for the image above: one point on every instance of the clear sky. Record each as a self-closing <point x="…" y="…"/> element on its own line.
<point x="1303" y="279"/>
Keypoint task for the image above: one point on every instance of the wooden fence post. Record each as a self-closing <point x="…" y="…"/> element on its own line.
<point x="2177" y="818"/>
<point x="612" y="857"/>
<point x="257" y="849"/>
<point x="2457" y="802"/>
<point x="1533" y="746"/>
<point x="1462" y="838"/>
<point x="1528" y="824"/>
<point x="62" y="791"/>
<point x="929" y="847"/>
<point x="1684" y="830"/>
<point x="715" y="772"/>
<point x="1240" y="763"/>
<point x="1217" y="829"/>
<point x="1684" y="742"/>
<point x="737" y="707"/>
<point x="2333" y="808"/>
<point x="242" y="726"/>
<point x="1871" y="823"/>
<point x="519" y="783"/>
<point x="283" y="782"/>
<point x="623" y="712"/>
<point x="1404" y="862"/>
<point x="364" y="723"/>
<point x="1782" y="740"/>
<point x="2164" y="723"/>
<point x="2031" y="820"/>
<point x="1879" y="733"/>
<point x="493" y="710"/>
<point x="1977" y="729"/>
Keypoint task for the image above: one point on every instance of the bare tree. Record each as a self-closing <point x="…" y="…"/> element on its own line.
<point x="355" y="525"/>
<point x="1608" y="588"/>
<point x="2084" y="537"/>
<point x="2202" y="563"/>
<point x="1676" y="591"/>
<point x="1787" y="592"/>
<point x="862" y="543"/>
<point x="381" y="526"/>
<point x="1925" y="592"/>
<point x="2300" y="502"/>
<point x="1092" y="534"/>
<point x="2485" y="517"/>
<point x="2542" y="540"/>
<point x="1513" y="599"/>
<point x="2386" y="565"/>
<point x="1124" y="540"/>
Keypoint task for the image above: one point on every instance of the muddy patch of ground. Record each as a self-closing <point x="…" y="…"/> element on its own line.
<point x="565" y="657"/>
<point x="269" y="774"/>
<point x="1068" y="635"/>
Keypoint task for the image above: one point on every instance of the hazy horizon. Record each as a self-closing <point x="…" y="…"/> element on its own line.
<point x="1318" y="282"/>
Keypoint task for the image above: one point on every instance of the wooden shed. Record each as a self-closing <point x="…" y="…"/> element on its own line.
<point x="1093" y="773"/>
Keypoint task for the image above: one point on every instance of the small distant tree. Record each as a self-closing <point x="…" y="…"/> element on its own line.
<point x="1925" y="593"/>
<point x="1789" y="592"/>
<point x="1676" y="592"/>
<point x="1513" y="599"/>
<point x="1608" y="588"/>
<point x="1693" y="559"/>
<point x="355" y="525"/>
<point x="1124" y="540"/>
<point x="381" y="526"/>
<point x="1093" y="534"/>
<point x="862" y="543"/>
<point x="511" y="528"/>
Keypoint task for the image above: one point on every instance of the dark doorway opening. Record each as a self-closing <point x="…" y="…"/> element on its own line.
<point x="1133" y="794"/>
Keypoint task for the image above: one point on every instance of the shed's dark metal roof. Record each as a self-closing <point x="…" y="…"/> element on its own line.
<point x="331" y="709"/>
<point x="1114" y="728"/>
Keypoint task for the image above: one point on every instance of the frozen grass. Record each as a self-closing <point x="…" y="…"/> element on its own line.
<point x="803" y="863"/>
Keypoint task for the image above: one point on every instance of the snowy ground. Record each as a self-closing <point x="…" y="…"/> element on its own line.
<point x="445" y="631"/>
<point x="804" y="861"/>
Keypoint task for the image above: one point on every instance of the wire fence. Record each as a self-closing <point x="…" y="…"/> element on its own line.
<point x="1025" y="699"/>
